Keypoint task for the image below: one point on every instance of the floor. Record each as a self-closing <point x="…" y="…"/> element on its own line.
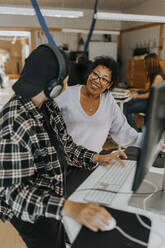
<point x="6" y="93"/>
<point x="9" y="237"/>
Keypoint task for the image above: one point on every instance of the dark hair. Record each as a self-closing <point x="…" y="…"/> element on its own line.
<point x="152" y="66"/>
<point x="79" y="72"/>
<point x="111" y="64"/>
<point x="72" y="56"/>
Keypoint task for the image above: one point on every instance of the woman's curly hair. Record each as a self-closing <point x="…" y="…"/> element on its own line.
<point x="109" y="63"/>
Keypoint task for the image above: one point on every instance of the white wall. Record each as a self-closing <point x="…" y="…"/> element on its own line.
<point x="102" y="49"/>
<point x="131" y="40"/>
<point x="69" y="38"/>
<point x="59" y="37"/>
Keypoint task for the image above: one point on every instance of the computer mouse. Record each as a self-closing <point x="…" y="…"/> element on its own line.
<point x="111" y="225"/>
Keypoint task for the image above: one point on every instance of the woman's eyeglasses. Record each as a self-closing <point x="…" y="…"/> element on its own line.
<point x="101" y="79"/>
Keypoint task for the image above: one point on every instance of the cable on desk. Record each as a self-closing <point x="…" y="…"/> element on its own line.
<point x="137" y="240"/>
<point x="126" y="235"/>
<point x="117" y="192"/>
<point x="153" y="230"/>
<point x="142" y="222"/>
<point x="138" y="217"/>
<point x="148" y="197"/>
<point x="144" y="206"/>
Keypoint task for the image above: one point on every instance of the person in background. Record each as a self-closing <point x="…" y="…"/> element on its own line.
<point x="139" y="99"/>
<point x="1" y="77"/>
<point x="32" y="179"/>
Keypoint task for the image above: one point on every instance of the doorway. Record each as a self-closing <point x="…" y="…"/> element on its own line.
<point x="14" y="48"/>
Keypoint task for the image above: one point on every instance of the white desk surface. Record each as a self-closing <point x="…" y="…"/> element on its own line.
<point x="157" y="235"/>
<point x="122" y="101"/>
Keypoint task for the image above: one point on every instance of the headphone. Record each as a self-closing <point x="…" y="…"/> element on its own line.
<point x="55" y="86"/>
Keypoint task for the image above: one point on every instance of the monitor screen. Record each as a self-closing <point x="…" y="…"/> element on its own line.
<point x="153" y="132"/>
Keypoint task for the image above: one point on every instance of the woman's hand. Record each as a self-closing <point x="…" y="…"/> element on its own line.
<point x="87" y="214"/>
<point x="109" y="159"/>
<point x="134" y="90"/>
<point x="132" y="94"/>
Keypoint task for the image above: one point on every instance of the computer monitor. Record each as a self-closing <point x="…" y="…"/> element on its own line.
<point x="153" y="135"/>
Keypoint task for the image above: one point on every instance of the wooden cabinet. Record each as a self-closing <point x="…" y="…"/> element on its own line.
<point x="137" y="76"/>
<point x="162" y="63"/>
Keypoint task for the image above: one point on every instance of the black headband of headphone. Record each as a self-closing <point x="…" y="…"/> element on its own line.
<point x="56" y="85"/>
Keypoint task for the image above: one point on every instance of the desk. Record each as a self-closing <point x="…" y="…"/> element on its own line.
<point x="158" y="222"/>
<point x="121" y="96"/>
<point x="121" y="102"/>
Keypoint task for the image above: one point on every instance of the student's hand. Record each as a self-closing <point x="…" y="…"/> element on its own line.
<point x="132" y="94"/>
<point x="134" y="90"/>
<point x="163" y="148"/>
<point x="88" y="214"/>
<point x="109" y="159"/>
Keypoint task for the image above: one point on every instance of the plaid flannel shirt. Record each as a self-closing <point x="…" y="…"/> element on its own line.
<point x="31" y="178"/>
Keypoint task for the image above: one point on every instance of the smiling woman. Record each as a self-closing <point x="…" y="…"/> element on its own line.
<point x="90" y="111"/>
<point x="99" y="80"/>
<point x="91" y="114"/>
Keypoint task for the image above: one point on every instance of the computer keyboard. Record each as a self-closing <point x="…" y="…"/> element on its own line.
<point x="112" y="179"/>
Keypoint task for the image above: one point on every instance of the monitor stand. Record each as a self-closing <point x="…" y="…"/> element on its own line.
<point x="154" y="202"/>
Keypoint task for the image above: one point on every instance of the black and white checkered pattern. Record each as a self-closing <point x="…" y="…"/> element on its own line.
<point x="31" y="178"/>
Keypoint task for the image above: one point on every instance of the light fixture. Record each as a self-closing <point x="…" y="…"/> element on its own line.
<point x="70" y="30"/>
<point x="16" y="10"/>
<point x="46" y="12"/>
<point x="62" y="13"/>
<point x="14" y="33"/>
<point x="130" y="17"/>
<point x="106" y="32"/>
<point x="85" y="31"/>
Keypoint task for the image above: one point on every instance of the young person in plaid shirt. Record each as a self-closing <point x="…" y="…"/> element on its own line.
<point x="31" y="176"/>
